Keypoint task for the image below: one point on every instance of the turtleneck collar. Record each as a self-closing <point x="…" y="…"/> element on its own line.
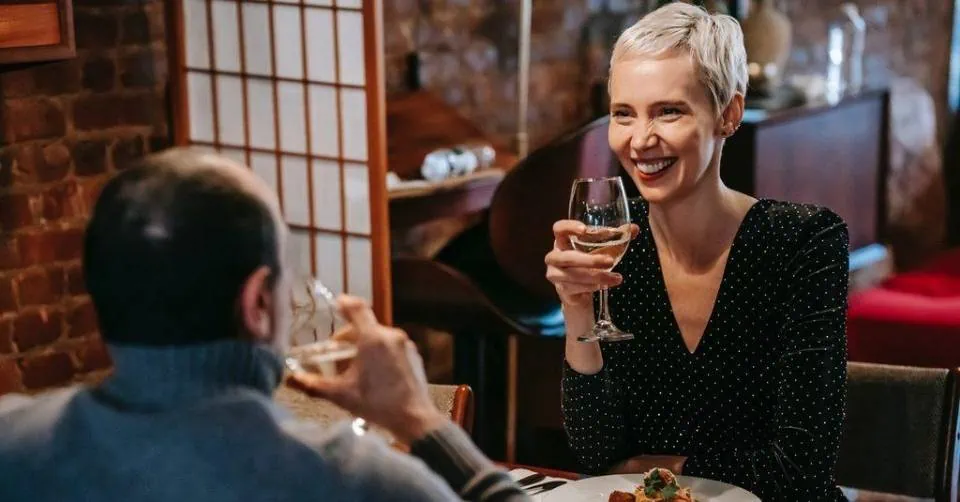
<point x="164" y="377"/>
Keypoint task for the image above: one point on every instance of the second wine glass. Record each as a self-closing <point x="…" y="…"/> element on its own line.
<point x="601" y="204"/>
<point x="315" y="320"/>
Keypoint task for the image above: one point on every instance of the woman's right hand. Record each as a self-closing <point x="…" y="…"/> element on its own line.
<point x="577" y="275"/>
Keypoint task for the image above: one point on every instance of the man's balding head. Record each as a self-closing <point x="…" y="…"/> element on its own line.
<point x="172" y="244"/>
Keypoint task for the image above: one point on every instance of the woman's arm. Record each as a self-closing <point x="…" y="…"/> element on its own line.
<point x="811" y="373"/>
<point x="592" y="405"/>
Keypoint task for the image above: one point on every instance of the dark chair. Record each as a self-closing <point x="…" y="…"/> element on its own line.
<point x="487" y="287"/>
<point x="900" y="432"/>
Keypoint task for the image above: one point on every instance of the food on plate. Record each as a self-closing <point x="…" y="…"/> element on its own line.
<point x="659" y="485"/>
<point x="622" y="497"/>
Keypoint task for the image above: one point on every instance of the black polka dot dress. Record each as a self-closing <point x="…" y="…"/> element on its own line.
<point x="759" y="403"/>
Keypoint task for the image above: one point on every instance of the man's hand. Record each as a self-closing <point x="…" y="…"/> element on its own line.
<point x="384" y="384"/>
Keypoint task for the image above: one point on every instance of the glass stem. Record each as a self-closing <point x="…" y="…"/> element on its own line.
<point x="604" y="307"/>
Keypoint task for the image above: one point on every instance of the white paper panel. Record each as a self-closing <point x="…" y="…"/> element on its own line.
<point x="195" y="33"/>
<point x="330" y="261"/>
<point x="350" y="34"/>
<point x="230" y="109"/>
<point x="298" y="252"/>
<point x="357" y="191"/>
<point x="205" y="149"/>
<point x="260" y="104"/>
<point x="359" y="277"/>
<point x="353" y="104"/>
<point x="325" y="3"/>
<point x="226" y="36"/>
<point x="296" y="200"/>
<point x="320" y="56"/>
<point x="201" y="106"/>
<point x="350" y="3"/>
<point x="286" y="33"/>
<point x="326" y="194"/>
<point x="264" y="165"/>
<point x="256" y="37"/>
<point x="293" y="128"/>
<point x="234" y="154"/>
<point x="323" y="120"/>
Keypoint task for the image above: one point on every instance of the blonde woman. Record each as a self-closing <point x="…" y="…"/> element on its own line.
<point x="737" y="369"/>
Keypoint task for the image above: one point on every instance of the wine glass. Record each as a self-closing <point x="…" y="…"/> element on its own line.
<point x="601" y="204"/>
<point x="315" y="319"/>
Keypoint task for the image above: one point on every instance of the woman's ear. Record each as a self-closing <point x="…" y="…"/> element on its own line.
<point x="732" y="116"/>
<point x="256" y="305"/>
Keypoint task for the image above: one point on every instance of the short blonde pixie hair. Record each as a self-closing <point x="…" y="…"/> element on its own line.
<point x="714" y="41"/>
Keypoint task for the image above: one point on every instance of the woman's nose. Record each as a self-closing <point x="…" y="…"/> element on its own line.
<point x="643" y="137"/>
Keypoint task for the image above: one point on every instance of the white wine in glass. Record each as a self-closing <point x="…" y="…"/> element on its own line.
<point x="601" y="204"/>
<point x="315" y="320"/>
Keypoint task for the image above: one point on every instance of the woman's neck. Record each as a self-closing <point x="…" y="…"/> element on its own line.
<point x="697" y="230"/>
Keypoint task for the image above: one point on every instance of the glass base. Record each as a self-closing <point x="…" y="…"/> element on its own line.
<point x="605" y="331"/>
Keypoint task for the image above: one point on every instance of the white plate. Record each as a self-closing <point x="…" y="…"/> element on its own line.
<point x="598" y="489"/>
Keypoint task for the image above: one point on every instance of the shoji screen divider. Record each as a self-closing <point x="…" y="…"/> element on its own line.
<point x="294" y="89"/>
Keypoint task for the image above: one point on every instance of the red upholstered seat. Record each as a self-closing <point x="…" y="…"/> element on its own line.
<point x="911" y="319"/>
<point x="914" y="318"/>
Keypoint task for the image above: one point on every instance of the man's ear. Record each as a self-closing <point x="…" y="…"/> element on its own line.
<point x="256" y="305"/>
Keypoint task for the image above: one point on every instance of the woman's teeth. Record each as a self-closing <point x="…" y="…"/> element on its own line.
<point x="654" y="167"/>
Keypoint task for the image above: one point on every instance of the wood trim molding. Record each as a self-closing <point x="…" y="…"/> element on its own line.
<point x="177" y="83"/>
<point x="377" y="160"/>
<point x="32" y="31"/>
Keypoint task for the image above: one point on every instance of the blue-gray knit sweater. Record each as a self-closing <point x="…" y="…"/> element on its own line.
<point x="197" y="423"/>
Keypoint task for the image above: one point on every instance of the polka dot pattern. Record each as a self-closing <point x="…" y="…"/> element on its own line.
<point x="759" y="403"/>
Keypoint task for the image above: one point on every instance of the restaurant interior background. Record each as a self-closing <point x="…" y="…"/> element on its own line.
<point x="325" y="98"/>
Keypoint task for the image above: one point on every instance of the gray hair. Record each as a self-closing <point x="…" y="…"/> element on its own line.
<point x="714" y="41"/>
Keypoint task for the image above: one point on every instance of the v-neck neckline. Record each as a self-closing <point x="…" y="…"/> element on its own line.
<point x="735" y="245"/>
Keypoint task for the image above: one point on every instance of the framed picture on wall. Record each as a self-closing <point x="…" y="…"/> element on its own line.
<point x="36" y="30"/>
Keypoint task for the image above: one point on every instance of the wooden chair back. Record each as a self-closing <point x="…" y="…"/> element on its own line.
<point x="536" y="193"/>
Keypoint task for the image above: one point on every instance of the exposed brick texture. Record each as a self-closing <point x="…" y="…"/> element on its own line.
<point x="6" y="339"/>
<point x="65" y="127"/>
<point x="47" y="370"/>
<point x="9" y="376"/>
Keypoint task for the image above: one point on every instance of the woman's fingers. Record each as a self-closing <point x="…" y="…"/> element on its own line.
<point x="563" y="230"/>
<point x="566" y="259"/>
<point x="583" y="277"/>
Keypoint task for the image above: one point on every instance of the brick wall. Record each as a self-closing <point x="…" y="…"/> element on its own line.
<point x="468" y="53"/>
<point x="64" y="127"/>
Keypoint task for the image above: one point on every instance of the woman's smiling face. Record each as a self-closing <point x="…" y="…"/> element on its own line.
<point x="663" y="126"/>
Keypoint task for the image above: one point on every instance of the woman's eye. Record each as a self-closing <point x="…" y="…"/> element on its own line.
<point x="621" y="113"/>
<point x="671" y="111"/>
